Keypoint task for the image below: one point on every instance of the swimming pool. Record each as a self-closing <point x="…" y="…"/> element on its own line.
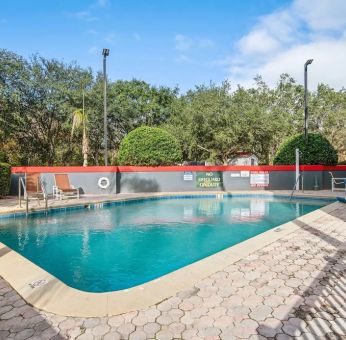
<point x="123" y="245"/>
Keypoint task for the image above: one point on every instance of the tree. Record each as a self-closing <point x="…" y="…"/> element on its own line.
<point x="39" y="95"/>
<point x="315" y="150"/>
<point x="79" y="120"/>
<point x="149" y="146"/>
<point x="202" y="122"/>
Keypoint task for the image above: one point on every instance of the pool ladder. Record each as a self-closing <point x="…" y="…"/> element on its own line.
<point x="295" y="185"/>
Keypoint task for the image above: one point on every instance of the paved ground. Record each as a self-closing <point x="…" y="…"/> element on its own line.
<point x="293" y="288"/>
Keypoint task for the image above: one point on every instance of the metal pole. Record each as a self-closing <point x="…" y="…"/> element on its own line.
<point x="297" y="169"/>
<point x="306" y="112"/>
<point x="306" y="101"/>
<point x="105" y="109"/>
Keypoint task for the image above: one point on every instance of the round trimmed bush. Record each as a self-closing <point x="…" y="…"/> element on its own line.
<point x="317" y="150"/>
<point x="149" y="146"/>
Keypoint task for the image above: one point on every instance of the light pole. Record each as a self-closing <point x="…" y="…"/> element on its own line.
<point x="105" y="53"/>
<point x="306" y="113"/>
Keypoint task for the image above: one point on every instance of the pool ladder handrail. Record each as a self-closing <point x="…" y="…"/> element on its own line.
<point x="21" y="185"/>
<point x="295" y="185"/>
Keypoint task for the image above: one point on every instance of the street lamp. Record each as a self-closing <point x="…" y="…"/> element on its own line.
<point x="306" y="113"/>
<point x="105" y="53"/>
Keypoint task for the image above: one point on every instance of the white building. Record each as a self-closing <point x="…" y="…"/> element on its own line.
<point x="244" y="159"/>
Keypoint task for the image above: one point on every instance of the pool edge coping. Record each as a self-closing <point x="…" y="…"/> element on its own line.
<point x="58" y="298"/>
<point x="75" y="204"/>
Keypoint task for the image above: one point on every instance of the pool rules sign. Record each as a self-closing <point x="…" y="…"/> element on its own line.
<point x="211" y="179"/>
<point x="259" y="179"/>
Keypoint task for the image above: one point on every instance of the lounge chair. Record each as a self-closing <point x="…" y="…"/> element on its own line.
<point x="63" y="188"/>
<point x="337" y="181"/>
<point x="31" y="188"/>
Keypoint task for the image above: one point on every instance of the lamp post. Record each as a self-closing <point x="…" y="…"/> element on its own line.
<point x="306" y="113"/>
<point x="105" y="53"/>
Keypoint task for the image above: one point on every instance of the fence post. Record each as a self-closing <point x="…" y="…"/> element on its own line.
<point x="297" y="169"/>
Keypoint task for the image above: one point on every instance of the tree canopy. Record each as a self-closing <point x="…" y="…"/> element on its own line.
<point x="38" y="97"/>
<point x="314" y="149"/>
<point x="149" y="146"/>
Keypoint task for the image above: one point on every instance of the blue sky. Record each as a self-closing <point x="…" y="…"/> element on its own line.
<point x="180" y="42"/>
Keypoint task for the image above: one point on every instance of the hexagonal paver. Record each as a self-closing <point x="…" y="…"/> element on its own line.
<point x="270" y="327"/>
<point x="260" y="313"/>
<point x="245" y="328"/>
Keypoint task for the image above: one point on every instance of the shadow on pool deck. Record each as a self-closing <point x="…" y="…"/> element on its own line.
<point x="321" y="308"/>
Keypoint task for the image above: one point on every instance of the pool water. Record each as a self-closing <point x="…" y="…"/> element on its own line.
<point x="121" y="246"/>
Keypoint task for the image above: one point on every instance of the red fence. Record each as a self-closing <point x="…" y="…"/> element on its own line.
<point x="59" y="169"/>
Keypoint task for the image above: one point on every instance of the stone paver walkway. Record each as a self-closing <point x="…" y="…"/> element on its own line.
<point x="293" y="288"/>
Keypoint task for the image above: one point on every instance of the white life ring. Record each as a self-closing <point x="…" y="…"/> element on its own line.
<point x="103" y="182"/>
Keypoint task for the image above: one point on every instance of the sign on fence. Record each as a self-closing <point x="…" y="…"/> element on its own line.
<point x="211" y="179"/>
<point x="188" y="176"/>
<point x="259" y="178"/>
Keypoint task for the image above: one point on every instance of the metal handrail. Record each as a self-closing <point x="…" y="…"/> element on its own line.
<point x="295" y="186"/>
<point x="20" y="185"/>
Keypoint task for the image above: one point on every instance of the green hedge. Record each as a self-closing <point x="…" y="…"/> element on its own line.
<point x="5" y="173"/>
<point x="149" y="146"/>
<point x="317" y="150"/>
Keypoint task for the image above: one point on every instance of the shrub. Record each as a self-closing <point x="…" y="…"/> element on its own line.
<point x="317" y="150"/>
<point x="149" y="146"/>
<point x="5" y="173"/>
<point x="3" y="156"/>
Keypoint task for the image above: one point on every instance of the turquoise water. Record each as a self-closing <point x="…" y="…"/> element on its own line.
<point x="122" y="246"/>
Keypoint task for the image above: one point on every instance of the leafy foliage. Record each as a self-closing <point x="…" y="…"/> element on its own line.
<point x="38" y="94"/>
<point x="149" y="146"/>
<point x="214" y="123"/>
<point x="317" y="150"/>
<point x="5" y="172"/>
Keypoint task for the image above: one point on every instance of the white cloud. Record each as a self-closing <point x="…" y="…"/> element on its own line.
<point x="322" y="14"/>
<point x="258" y="41"/>
<point x="282" y="41"/>
<point x="84" y="15"/>
<point x="184" y="42"/>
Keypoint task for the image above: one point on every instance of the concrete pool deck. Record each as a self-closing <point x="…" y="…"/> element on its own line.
<point x="250" y="289"/>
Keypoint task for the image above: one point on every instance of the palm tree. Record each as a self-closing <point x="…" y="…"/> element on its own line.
<point x="79" y="119"/>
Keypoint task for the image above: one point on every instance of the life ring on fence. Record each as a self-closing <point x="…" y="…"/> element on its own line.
<point x="103" y="182"/>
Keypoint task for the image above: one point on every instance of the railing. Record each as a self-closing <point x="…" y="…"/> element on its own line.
<point x="21" y="185"/>
<point x="295" y="186"/>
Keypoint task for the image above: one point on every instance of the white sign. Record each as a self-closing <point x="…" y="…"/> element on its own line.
<point x="244" y="173"/>
<point x="235" y="174"/>
<point x="188" y="176"/>
<point x="259" y="178"/>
